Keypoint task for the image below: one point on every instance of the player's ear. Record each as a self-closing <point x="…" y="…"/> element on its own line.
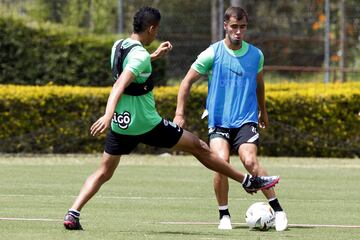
<point x="152" y="29"/>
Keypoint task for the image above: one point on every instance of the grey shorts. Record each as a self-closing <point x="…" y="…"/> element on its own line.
<point x="247" y="133"/>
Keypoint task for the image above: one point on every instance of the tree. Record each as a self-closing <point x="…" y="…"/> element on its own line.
<point x="236" y="3"/>
<point x="288" y="32"/>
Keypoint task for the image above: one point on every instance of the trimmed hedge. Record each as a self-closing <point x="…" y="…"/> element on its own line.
<point x="305" y="119"/>
<point x="38" y="54"/>
<point x="313" y="120"/>
<point x="49" y="119"/>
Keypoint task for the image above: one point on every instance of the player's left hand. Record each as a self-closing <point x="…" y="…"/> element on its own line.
<point x="179" y="120"/>
<point x="263" y="119"/>
<point x="162" y="50"/>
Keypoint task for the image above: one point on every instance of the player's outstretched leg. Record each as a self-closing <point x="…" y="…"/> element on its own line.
<point x="192" y="144"/>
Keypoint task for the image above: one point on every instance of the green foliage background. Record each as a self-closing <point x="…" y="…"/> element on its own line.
<point x="288" y="32"/>
<point x="33" y="53"/>
<point x="35" y="49"/>
<point x="306" y="119"/>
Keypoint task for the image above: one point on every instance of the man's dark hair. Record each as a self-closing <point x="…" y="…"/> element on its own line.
<point x="236" y="12"/>
<point x="145" y="17"/>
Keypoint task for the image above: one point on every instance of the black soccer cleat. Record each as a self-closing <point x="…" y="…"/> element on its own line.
<point x="72" y="222"/>
<point x="254" y="183"/>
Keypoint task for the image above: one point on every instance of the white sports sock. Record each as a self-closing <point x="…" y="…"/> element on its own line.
<point x="271" y="199"/>
<point x="223" y="207"/>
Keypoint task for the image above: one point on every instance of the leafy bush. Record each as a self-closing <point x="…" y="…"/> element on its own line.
<point x="37" y="54"/>
<point x="49" y="119"/>
<point x="313" y="120"/>
<point x="305" y="119"/>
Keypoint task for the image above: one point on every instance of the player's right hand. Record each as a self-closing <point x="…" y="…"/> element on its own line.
<point x="100" y="126"/>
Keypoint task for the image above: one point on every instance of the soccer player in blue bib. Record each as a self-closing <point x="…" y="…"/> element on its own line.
<point x="235" y="106"/>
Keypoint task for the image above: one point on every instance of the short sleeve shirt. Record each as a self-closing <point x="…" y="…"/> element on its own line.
<point x="135" y="115"/>
<point x="204" y="61"/>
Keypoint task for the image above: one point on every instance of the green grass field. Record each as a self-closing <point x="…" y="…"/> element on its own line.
<point x="152" y="197"/>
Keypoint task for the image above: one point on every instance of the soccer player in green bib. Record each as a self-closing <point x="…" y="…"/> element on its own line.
<point x="235" y="106"/>
<point x="132" y="117"/>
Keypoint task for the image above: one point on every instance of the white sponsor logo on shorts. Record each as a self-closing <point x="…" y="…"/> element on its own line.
<point x="166" y="122"/>
<point x="253" y="129"/>
<point x="226" y="135"/>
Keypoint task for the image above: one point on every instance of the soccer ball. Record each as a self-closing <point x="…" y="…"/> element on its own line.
<point x="260" y="216"/>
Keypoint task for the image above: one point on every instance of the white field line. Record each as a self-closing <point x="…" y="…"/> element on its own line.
<point x="290" y="225"/>
<point x="159" y="198"/>
<point x="107" y="197"/>
<point x="193" y="223"/>
<point x="31" y="219"/>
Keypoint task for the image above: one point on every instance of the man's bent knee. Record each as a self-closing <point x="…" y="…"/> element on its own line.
<point x="251" y="164"/>
<point x="108" y="167"/>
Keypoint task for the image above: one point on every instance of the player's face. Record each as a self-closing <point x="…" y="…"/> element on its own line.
<point x="235" y="30"/>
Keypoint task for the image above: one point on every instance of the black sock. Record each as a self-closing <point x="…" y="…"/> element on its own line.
<point x="224" y="212"/>
<point x="274" y="203"/>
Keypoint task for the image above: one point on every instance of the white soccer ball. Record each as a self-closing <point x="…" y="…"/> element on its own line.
<point x="260" y="216"/>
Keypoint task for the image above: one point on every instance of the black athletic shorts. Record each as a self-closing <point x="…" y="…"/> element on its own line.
<point x="165" y="135"/>
<point x="247" y="133"/>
